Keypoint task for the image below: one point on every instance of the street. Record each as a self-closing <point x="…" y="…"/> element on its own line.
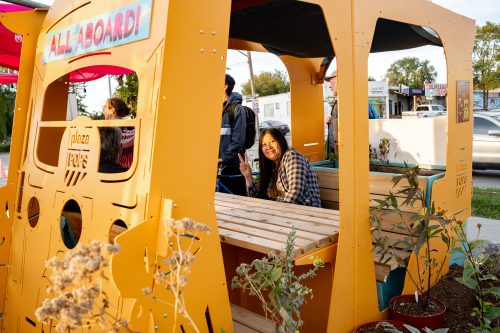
<point x="486" y="178"/>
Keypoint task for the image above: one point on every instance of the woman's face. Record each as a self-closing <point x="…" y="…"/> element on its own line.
<point x="109" y="111"/>
<point x="270" y="148"/>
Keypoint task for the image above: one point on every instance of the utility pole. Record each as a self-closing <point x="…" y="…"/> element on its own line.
<point x="255" y="103"/>
<point x="109" y="86"/>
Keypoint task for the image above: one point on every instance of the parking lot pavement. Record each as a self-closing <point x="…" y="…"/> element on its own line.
<point x="486" y="178"/>
<point x="490" y="229"/>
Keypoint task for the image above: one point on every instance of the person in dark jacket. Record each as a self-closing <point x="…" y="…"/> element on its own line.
<point x="232" y="139"/>
<point x="110" y="150"/>
<point x="331" y="119"/>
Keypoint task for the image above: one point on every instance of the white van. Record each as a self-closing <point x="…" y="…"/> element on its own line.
<point x="424" y="111"/>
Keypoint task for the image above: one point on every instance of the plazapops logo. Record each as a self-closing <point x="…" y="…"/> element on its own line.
<point x="121" y="26"/>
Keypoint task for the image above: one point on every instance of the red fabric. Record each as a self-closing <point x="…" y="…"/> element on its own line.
<point x="79" y="75"/>
<point x="8" y="78"/>
<point x="10" y="46"/>
<point x="95" y="72"/>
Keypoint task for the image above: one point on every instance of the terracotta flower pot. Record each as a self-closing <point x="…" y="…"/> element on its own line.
<point x="433" y="321"/>
<point x="373" y="324"/>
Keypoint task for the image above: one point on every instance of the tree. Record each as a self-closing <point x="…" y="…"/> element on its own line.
<point x="371" y="78"/>
<point x="7" y="101"/>
<point x="267" y="83"/>
<point x="486" y="59"/>
<point x="411" y="72"/>
<point x="128" y="89"/>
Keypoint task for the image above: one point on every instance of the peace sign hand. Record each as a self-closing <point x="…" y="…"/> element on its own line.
<point x="245" y="169"/>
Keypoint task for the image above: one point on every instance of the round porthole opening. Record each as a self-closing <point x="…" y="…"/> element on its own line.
<point x="71" y="224"/>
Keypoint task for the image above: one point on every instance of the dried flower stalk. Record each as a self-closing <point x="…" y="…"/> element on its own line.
<point x="79" y="300"/>
<point x="178" y="264"/>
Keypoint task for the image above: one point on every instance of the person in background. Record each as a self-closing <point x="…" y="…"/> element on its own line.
<point x="116" y="108"/>
<point x="110" y="150"/>
<point x="285" y="174"/>
<point x="331" y="119"/>
<point x="232" y="139"/>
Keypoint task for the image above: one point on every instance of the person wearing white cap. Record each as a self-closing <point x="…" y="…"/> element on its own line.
<point x="331" y="146"/>
<point x="331" y="119"/>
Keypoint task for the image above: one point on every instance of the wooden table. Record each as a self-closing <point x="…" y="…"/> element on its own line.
<point x="263" y="225"/>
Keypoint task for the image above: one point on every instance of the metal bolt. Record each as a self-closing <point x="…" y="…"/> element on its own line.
<point x="201" y="31"/>
<point x="157" y="327"/>
<point x="214" y="50"/>
<point x="202" y="50"/>
<point x="165" y="315"/>
<point x="213" y="33"/>
<point x="175" y="205"/>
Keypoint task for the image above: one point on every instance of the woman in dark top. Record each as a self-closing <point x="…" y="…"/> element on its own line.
<point x="285" y="174"/>
<point x="116" y="108"/>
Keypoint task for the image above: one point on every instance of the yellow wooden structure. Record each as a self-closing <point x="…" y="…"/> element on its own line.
<point x="180" y="64"/>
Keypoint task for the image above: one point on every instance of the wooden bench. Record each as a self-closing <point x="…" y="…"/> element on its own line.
<point x="250" y="228"/>
<point x="245" y="321"/>
<point x="379" y="187"/>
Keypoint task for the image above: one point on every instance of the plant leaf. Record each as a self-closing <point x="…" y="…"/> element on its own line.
<point x="276" y="274"/>
<point x="494" y="291"/>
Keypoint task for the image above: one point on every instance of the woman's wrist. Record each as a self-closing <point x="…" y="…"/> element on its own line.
<point x="249" y="181"/>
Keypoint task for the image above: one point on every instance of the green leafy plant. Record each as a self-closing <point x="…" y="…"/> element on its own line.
<point x="421" y="228"/>
<point x="390" y="328"/>
<point x="274" y="282"/>
<point x="476" y="276"/>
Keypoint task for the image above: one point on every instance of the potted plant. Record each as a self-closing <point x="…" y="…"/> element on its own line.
<point x="274" y="282"/>
<point x="391" y="326"/>
<point x="422" y="228"/>
<point x="382" y="326"/>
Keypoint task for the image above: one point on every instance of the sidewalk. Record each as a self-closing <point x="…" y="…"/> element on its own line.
<point x="490" y="229"/>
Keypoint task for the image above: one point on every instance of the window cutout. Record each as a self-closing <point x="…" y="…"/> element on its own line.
<point x="71" y="96"/>
<point x="33" y="212"/>
<point x="7" y="209"/>
<point x="71" y="224"/>
<point x="408" y="95"/>
<point x="7" y="103"/>
<point x="117" y="228"/>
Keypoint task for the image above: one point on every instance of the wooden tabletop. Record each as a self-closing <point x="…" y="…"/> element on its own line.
<point x="263" y="225"/>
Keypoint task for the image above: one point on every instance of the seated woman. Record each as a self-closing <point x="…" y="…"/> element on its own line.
<point x="285" y="174"/>
<point x="116" y="108"/>
<point x="110" y="150"/>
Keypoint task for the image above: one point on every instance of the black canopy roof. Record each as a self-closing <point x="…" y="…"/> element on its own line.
<point x="288" y="27"/>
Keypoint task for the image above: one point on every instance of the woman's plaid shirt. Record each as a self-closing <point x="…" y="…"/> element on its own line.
<point x="296" y="182"/>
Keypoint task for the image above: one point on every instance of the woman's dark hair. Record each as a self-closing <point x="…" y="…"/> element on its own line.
<point x="268" y="169"/>
<point x="122" y="110"/>
<point x="230" y="84"/>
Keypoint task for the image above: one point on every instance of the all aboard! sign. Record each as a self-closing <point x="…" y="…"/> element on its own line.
<point x="121" y="26"/>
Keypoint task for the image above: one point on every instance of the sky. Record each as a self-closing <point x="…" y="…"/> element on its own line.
<point x="378" y="63"/>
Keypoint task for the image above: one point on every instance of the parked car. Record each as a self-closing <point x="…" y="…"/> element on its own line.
<point x="425" y="111"/>
<point x="275" y="124"/>
<point x="486" y="140"/>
